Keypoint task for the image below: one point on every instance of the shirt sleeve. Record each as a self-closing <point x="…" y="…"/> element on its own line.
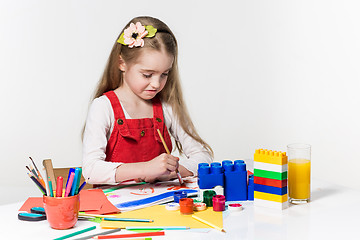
<point x="97" y="131"/>
<point x="194" y="152"/>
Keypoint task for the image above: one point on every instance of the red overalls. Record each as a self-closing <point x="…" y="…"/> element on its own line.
<point x="136" y="140"/>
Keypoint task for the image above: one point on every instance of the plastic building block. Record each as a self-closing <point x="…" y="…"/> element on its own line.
<point x="268" y="156"/>
<point x="270" y="179"/>
<point x="229" y="177"/>
<point x="270" y="197"/>
<point x="235" y="180"/>
<point x="270" y="174"/>
<point x="271" y="204"/>
<point x="210" y="176"/>
<point x="269" y="189"/>
<point x="251" y="188"/>
<point x="270" y="182"/>
<point x="271" y="167"/>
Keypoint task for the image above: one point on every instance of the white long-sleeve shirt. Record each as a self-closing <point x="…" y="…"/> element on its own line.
<point x="99" y="126"/>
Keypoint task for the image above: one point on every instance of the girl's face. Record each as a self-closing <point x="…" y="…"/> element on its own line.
<point x="147" y="76"/>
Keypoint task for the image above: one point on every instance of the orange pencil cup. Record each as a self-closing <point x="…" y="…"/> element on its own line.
<point x="61" y="212"/>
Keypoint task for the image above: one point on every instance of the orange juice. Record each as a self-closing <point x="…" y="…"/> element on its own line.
<point x="299" y="179"/>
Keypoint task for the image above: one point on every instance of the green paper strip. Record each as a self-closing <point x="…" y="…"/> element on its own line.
<point x="122" y="186"/>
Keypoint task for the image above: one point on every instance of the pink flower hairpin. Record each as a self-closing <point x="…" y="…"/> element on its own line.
<point x="134" y="34"/>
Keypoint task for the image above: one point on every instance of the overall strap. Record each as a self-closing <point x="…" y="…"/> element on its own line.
<point x="119" y="115"/>
<point x="158" y="118"/>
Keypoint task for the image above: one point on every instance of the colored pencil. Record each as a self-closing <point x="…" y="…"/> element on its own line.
<point x="128" y="219"/>
<point x="27" y="167"/>
<point x="208" y="223"/>
<point x="42" y="189"/>
<point x="68" y="188"/>
<point x="41" y="180"/>
<point x="74" y="183"/>
<point x="59" y="185"/>
<point x="82" y="186"/>
<point x="78" y="181"/>
<point x="143" y="238"/>
<point x="97" y="215"/>
<point x="130" y="235"/>
<point x="51" y="194"/>
<point x="102" y="233"/>
<point x="158" y="228"/>
<point x="34" y="173"/>
<point x="70" y="171"/>
<point x="168" y="152"/>
<point x="76" y="233"/>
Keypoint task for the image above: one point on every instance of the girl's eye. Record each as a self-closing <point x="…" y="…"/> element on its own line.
<point x="164" y="74"/>
<point x="147" y="75"/>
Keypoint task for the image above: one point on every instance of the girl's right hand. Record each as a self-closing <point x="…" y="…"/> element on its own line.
<point x="163" y="164"/>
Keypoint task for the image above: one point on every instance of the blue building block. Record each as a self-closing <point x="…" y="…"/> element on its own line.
<point x="270" y="189"/>
<point x="251" y="188"/>
<point x="210" y="176"/>
<point x="235" y="180"/>
<point x="232" y="176"/>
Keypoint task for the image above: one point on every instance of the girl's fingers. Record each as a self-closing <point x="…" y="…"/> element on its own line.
<point x="173" y="160"/>
<point x="172" y="167"/>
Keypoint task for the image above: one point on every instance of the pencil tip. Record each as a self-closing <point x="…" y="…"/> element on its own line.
<point x="223" y="230"/>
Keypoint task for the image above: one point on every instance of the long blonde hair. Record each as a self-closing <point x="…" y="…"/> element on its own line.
<point x="164" y="39"/>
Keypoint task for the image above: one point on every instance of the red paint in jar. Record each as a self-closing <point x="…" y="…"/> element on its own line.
<point x="186" y="205"/>
<point x="219" y="203"/>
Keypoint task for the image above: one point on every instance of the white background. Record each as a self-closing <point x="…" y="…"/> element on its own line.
<point x="255" y="74"/>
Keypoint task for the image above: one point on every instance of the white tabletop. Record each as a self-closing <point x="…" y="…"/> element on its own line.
<point x="333" y="213"/>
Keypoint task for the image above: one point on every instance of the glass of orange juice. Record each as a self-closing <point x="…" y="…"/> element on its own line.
<point x="299" y="156"/>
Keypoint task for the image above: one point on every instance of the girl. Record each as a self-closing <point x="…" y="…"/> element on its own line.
<point x="139" y="94"/>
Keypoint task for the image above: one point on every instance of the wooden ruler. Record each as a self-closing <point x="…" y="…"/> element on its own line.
<point x="49" y="172"/>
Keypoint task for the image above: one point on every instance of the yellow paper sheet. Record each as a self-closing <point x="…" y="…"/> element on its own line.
<point x="163" y="217"/>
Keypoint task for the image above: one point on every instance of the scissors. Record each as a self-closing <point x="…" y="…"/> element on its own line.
<point x="36" y="214"/>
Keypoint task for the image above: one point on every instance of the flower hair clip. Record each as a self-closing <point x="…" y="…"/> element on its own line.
<point x="134" y="34"/>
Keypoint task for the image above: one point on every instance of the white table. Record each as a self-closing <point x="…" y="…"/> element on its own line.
<point x="333" y="213"/>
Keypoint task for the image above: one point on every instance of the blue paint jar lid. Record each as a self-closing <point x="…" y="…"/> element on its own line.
<point x="178" y="195"/>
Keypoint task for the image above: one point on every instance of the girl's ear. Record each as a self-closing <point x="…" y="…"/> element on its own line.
<point x="122" y="65"/>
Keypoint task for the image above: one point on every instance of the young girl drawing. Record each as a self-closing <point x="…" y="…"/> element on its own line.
<point x="139" y="94"/>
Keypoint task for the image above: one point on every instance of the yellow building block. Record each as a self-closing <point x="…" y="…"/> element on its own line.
<point x="271" y="197"/>
<point x="269" y="156"/>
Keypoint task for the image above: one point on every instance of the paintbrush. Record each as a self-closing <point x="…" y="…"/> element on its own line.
<point x="168" y="152"/>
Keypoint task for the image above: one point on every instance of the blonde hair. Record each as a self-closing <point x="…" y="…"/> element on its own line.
<point x="164" y="39"/>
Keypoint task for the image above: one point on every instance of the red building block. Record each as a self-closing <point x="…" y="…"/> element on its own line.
<point x="270" y="182"/>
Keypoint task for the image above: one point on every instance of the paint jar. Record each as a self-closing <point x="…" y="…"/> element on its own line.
<point x="186" y="206"/>
<point x="219" y="203"/>
<point x="178" y="195"/>
<point x="199" y="206"/>
<point x="208" y="197"/>
<point x="299" y="156"/>
<point x="61" y="212"/>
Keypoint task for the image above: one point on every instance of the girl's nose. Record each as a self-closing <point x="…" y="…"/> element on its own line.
<point x="155" y="83"/>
